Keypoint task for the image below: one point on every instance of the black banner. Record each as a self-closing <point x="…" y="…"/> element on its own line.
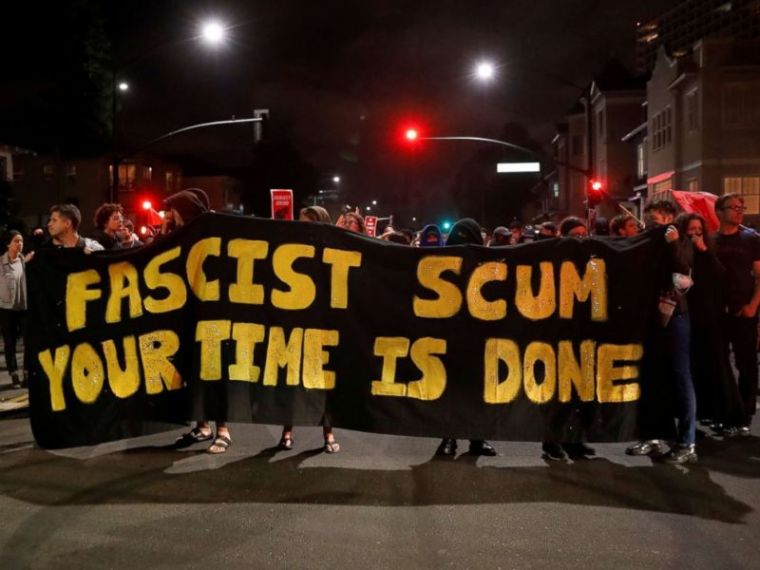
<point x="251" y="320"/>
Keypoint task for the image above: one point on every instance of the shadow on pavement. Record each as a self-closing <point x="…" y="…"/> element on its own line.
<point x="139" y="476"/>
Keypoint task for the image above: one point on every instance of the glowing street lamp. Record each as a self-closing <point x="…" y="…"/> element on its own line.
<point x="213" y="32"/>
<point x="368" y="208"/>
<point x="485" y="71"/>
<point x="374" y="202"/>
<point x="123" y="86"/>
<point x="336" y="179"/>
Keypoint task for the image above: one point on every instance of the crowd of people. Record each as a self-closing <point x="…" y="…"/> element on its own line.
<point x="708" y="311"/>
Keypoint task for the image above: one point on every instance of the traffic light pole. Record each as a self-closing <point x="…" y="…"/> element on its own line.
<point x="586" y="172"/>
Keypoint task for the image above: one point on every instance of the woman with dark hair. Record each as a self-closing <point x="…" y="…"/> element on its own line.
<point x="573" y="227"/>
<point x="109" y="222"/>
<point x="717" y="393"/>
<point x="13" y="301"/>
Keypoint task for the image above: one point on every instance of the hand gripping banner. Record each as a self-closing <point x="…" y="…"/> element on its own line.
<point x="249" y="320"/>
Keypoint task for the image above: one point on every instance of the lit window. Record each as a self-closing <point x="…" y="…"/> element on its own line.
<point x="127" y="177"/>
<point x="746" y="186"/>
<point x="147" y="174"/>
<point x="693" y="185"/>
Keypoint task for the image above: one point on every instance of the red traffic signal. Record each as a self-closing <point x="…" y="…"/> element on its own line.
<point x="595" y="193"/>
<point x="147" y="205"/>
<point x="411" y="135"/>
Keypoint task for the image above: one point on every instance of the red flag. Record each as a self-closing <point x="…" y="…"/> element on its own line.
<point x="153" y="218"/>
<point x="702" y="203"/>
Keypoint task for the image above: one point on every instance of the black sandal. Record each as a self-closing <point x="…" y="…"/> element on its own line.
<point x="286" y="443"/>
<point x="195" y="435"/>
<point x="221" y="445"/>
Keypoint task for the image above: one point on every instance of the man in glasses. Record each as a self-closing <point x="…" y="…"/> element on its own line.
<point x="738" y="249"/>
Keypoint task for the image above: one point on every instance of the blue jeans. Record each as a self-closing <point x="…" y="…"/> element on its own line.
<point x="678" y="335"/>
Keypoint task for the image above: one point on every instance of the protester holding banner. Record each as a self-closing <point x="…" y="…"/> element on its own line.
<point x="718" y="399"/>
<point x="674" y="337"/>
<point x="465" y="231"/>
<point x="738" y="249"/>
<point x="311" y="214"/>
<point x="554" y="450"/>
<point x="13" y="302"/>
<point x="183" y="207"/>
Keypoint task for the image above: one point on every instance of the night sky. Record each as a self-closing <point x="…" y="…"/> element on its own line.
<point x="340" y="78"/>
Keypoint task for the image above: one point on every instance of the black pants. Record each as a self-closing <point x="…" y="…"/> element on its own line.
<point x="741" y="335"/>
<point x="11" y="322"/>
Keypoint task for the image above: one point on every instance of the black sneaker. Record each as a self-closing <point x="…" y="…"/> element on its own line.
<point x="578" y="450"/>
<point x="14" y="380"/>
<point x="553" y="452"/>
<point x="481" y="447"/>
<point x="647" y="447"/>
<point x="681" y="454"/>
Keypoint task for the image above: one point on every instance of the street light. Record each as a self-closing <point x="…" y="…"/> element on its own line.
<point x="368" y="208"/>
<point x="485" y="71"/>
<point x="336" y="179"/>
<point x="374" y="202"/>
<point x="213" y="32"/>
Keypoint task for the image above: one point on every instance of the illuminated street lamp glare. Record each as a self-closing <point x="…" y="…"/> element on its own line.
<point x="336" y="179"/>
<point x="213" y="32"/>
<point x="123" y="86"/>
<point x="485" y="71"/>
<point x="374" y="202"/>
<point x="369" y="208"/>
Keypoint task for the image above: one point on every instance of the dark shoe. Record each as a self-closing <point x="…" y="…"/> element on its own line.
<point x="578" y="450"/>
<point x="481" y="447"/>
<point x="194" y="436"/>
<point x="25" y="379"/>
<point x="728" y="431"/>
<point x="447" y="448"/>
<point x="681" y="454"/>
<point x="286" y="443"/>
<point x="14" y="380"/>
<point x="553" y="452"/>
<point x="647" y="447"/>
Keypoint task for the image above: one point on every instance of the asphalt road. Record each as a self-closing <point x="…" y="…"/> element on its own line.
<point x="382" y="502"/>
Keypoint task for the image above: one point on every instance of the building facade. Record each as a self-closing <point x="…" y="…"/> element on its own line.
<point x="691" y="21"/>
<point x="704" y="121"/>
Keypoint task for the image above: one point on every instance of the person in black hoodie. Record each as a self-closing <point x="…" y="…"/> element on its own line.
<point x="718" y="397"/>
<point x="463" y="232"/>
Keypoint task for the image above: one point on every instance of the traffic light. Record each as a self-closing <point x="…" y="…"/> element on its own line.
<point x="411" y="135"/>
<point x="147" y="205"/>
<point x="595" y="193"/>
